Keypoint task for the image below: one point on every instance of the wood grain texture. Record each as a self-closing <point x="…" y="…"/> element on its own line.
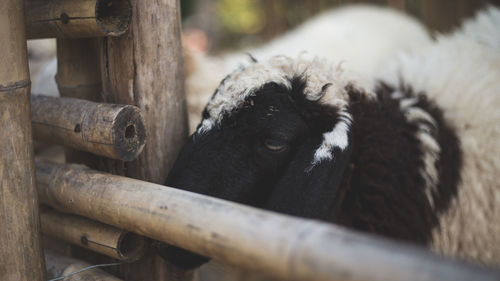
<point x="144" y="68"/>
<point x="21" y="255"/>
<point x="75" y="19"/>
<point x="110" y="130"/>
<point x="78" y="76"/>
<point x="95" y="236"/>
<point x="280" y="246"/>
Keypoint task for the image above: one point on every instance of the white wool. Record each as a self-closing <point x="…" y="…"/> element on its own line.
<point x="460" y="72"/>
<point x="483" y="28"/>
<point x="246" y="80"/>
<point x="361" y="36"/>
<point x="337" y="138"/>
<point x="428" y="144"/>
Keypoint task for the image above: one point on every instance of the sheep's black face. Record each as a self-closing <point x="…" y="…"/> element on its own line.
<point x="263" y="155"/>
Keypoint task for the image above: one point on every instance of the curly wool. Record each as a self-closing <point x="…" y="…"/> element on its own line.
<point x="460" y="73"/>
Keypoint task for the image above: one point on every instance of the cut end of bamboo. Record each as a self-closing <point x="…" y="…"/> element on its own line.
<point x="131" y="246"/>
<point x="113" y="16"/>
<point x="129" y="133"/>
<point x="110" y="130"/>
<point x="77" y="19"/>
<point x="95" y="236"/>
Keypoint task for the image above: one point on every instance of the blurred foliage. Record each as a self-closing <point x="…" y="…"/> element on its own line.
<point x="240" y="23"/>
<point x="241" y="16"/>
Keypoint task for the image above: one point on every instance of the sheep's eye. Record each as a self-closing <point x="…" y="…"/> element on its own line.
<point x="275" y="145"/>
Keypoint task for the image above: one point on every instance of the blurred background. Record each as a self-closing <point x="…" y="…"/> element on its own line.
<point x="214" y="26"/>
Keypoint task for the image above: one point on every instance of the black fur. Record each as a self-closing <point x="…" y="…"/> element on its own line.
<point x="374" y="185"/>
<point x="386" y="192"/>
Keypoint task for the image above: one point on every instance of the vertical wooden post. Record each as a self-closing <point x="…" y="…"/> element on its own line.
<point x="21" y="256"/>
<point x="144" y="68"/>
<point x="79" y="76"/>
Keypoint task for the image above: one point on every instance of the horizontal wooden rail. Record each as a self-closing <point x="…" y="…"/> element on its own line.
<point x="111" y="130"/>
<point x="92" y="235"/>
<point x="73" y="19"/>
<point x="59" y="265"/>
<point x="277" y="245"/>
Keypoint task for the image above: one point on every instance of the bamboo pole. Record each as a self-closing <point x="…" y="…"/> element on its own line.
<point x="113" y="242"/>
<point x="280" y="246"/>
<point x="144" y="68"/>
<point x="58" y="266"/>
<point x="21" y="256"/>
<point x="74" y="19"/>
<point x="110" y="130"/>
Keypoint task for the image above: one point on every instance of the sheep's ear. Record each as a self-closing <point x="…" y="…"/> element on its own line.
<point x="311" y="192"/>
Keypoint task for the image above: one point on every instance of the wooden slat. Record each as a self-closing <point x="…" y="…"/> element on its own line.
<point x="277" y="245"/>
<point x="21" y="255"/>
<point x="144" y="68"/>
<point x="110" y="130"/>
<point x="95" y="236"/>
<point x="76" y="19"/>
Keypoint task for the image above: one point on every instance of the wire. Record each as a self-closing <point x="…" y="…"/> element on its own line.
<point x="84" y="269"/>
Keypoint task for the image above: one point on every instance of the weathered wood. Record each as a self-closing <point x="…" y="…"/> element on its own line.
<point x="278" y="245"/>
<point x="78" y="74"/>
<point x="78" y="77"/>
<point x="110" y="130"/>
<point x="144" y="68"/>
<point x="95" y="236"/>
<point x="74" y="19"/>
<point x="58" y="265"/>
<point x="21" y="256"/>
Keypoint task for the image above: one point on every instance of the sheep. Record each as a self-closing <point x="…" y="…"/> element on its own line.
<point x="411" y="156"/>
<point x="362" y="36"/>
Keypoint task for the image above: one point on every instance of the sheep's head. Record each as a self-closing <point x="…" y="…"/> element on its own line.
<point x="274" y="135"/>
<point x="265" y="135"/>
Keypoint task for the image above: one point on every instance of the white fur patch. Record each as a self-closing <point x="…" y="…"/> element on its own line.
<point x="428" y="144"/>
<point x="247" y="80"/>
<point x="336" y="138"/>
